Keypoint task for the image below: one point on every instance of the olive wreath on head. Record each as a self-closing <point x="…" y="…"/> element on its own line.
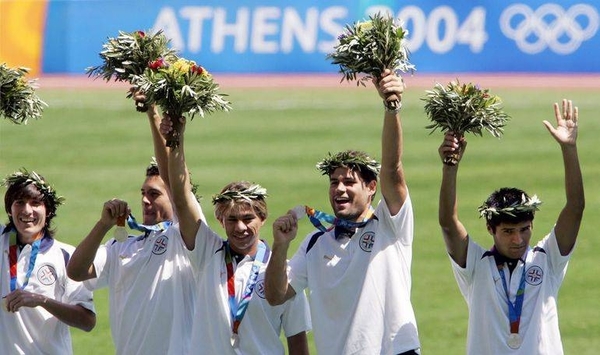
<point x="252" y="192"/>
<point x="25" y="177"/>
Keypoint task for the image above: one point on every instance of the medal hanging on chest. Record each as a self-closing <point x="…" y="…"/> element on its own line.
<point x="514" y="341"/>
<point x="515" y="309"/>
<point x="238" y="309"/>
<point x="13" y="263"/>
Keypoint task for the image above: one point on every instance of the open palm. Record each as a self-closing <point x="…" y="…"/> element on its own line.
<point x="565" y="131"/>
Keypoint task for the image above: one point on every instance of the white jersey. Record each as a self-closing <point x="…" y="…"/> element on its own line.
<point x="262" y="323"/>
<point x="481" y="285"/>
<point x="151" y="292"/>
<point x="359" y="288"/>
<point x="35" y="331"/>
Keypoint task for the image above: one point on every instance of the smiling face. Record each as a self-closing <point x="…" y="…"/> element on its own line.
<point x="242" y="226"/>
<point x="512" y="239"/>
<point x="156" y="205"/>
<point x="350" y="196"/>
<point x="28" y="215"/>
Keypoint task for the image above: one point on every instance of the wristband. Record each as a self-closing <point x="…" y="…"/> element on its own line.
<point x="390" y="109"/>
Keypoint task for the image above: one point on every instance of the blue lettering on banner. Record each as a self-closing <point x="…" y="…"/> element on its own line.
<point x="271" y="36"/>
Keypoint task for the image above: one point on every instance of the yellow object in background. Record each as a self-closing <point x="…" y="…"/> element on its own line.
<point x="22" y="24"/>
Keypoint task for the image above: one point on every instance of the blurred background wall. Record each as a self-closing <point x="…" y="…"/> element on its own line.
<point x="284" y="36"/>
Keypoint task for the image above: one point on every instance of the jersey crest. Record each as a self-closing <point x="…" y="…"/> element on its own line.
<point x="46" y="274"/>
<point x="534" y="275"/>
<point x="160" y="245"/>
<point x="366" y="241"/>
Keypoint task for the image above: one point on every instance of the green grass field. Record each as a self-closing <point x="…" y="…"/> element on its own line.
<point x="93" y="146"/>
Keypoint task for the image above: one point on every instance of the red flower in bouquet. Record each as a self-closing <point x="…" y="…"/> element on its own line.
<point x="180" y="88"/>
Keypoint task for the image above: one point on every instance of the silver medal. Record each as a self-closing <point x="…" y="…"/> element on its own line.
<point x="120" y="233"/>
<point x="235" y="340"/>
<point x="299" y="211"/>
<point x="514" y="341"/>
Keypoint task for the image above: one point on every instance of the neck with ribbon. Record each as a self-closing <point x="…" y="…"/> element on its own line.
<point x="13" y="250"/>
<point x="238" y="309"/>
<point x="514" y="309"/>
<point x="146" y="228"/>
<point x="318" y="217"/>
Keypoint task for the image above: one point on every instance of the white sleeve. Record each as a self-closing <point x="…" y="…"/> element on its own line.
<point x="102" y="271"/>
<point x="296" y="316"/>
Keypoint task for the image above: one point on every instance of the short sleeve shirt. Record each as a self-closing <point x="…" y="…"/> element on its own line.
<point x="260" y="328"/>
<point x="481" y="285"/>
<point x="34" y="330"/>
<point x="151" y="292"/>
<point x="359" y="288"/>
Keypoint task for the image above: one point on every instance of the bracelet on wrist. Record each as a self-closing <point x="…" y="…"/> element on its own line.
<point x="392" y="106"/>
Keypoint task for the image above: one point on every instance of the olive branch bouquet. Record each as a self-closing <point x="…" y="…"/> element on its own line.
<point x="369" y="48"/>
<point x="18" y="100"/>
<point x="464" y="108"/>
<point x="128" y="55"/>
<point x="180" y="87"/>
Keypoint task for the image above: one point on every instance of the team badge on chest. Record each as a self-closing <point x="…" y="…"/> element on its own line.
<point x="534" y="275"/>
<point x="259" y="288"/>
<point x="46" y="275"/>
<point x="366" y="241"/>
<point x="160" y="245"/>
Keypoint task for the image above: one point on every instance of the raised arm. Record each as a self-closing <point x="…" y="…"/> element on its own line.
<point x="81" y="263"/>
<point x="277" y="288"/>
<point x="565" y="133"/>
<point x="455" y="234"/>
<point x="158" y="141"/>
<point x="185" y="206"/>
<point x="392" y="181"/>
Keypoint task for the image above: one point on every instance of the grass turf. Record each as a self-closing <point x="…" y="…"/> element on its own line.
<point x="93" y="146"/>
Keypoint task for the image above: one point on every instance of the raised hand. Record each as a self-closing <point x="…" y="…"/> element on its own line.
<point x="452" y="148"/>
<point x="565" y="132"/>
<point x="112" y="210"/>
<point x="285" y="228"/>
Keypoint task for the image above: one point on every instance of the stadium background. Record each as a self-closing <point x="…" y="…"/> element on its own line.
<point x="531" y="52"/>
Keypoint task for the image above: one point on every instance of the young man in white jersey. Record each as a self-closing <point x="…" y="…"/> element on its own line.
<point x="149" y="276"/>
<point x="357" y="273"/>
<point x="511" y="290"/>
<point x="232" y="315"/>
<point x="39" y="301"/>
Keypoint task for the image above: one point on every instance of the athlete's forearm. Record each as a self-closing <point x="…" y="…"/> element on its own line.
<point x="276" y="280"/>
<point x="81" y="263"/>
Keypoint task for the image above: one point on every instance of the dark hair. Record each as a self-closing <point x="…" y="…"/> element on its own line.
<point x="255" y="200"/>
<point x="508" y="198"/>
<point x="152" y="170"/>
<point x="28" y="190"/>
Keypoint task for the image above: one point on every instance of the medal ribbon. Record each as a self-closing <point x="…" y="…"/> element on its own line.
<point x="317" y="217"/>
<point x="12" y="257"/>
<point x="133" y="224"/>
<point x="239" y="309"/>
<point x="514" y="310"/>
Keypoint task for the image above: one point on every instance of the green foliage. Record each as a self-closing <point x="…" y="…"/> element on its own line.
<point x="464" y="109"/>
<point x="351" y="159"/>
<point x="370" y="47"/>
<point x="18" y="100"/>
<point x="129" y="53"/>
<point x="180" y="87"/>
<point x="252" y="192"/>
<point x="25" y="177"/>
<point x="524" y="206"/>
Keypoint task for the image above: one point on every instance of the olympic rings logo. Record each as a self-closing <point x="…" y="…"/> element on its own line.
<point x="549" y="26"/>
